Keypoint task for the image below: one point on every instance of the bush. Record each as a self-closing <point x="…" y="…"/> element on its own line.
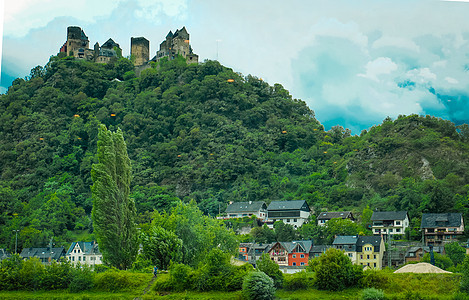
<point x="115" y="280"/>
<point x="374" y="279"/>
<point x="57" y="276"/>
<point x="298" y="281"/>
<point x="372" y="294"/>
<point x="258" y="286"/>
<point x="82" y="279"/>
<point x="465" y="275"/>
<point x="181" y="277"/>
<point x="335" y="272"/>
<point x="9" y="273"/>
<point x="235" y="280"/>
<point x="31" y="274"/>
<point x="266" y="265"/>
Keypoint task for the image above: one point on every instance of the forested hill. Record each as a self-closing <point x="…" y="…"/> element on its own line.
<point x="206" y="133"/>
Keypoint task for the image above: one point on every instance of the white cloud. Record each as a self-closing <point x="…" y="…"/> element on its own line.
<point x="399" y="42"/>
<point x="379" y="66"/>
<point x="422" y="75"/>
<point x="451" y="80"/>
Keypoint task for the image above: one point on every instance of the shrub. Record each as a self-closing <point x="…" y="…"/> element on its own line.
<point x="374" y="279"/>
<point x="31" y="274"/>
<point x="181" y="278"/>
<point x="465" y="275"/>
<point x="266" y="265"/>
<point x="372" y="294"/>
<point x="57" y="276"/>
<point x="82" y="279"/>
<point x="9" y="273"/>
<point x="235" y="280"/>
<point x="258" y="286"/>
<point x="115" y="280"/>
<point x="334" y="271"/>
<point x="298" y="281"/>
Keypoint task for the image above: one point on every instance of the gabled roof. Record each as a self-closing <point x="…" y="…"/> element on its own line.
<point x="335" y="215"/>
<point x="43" y="253"/>
<point x="110" y="44"/>
<point x="345" y="240"/>
<point x="288" y="205"/>
<point x="86" y="247"/>
<point x="372" y="239"/>
<point x="447" y="220"/>
<point x="251" y="206"/>
<point x="388" y="215"/>
<point x="305" y="246"/>
<point x="170" y="34"/>
<point x="426" y="249"/>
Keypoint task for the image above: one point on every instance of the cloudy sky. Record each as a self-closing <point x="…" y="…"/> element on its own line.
<point x="353" y="62"/>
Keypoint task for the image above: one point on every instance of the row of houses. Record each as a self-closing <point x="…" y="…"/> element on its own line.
<point x="295" y="213"/>
<point x="367" y="251"/>
<point x="85" y="253"/>
<point x="437" y="228"/>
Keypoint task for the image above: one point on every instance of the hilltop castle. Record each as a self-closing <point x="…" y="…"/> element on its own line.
<point x="77" y="45"/>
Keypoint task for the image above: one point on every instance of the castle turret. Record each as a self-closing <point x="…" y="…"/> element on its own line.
<point x="140" y="50"/>
<point x="177" y="43"/>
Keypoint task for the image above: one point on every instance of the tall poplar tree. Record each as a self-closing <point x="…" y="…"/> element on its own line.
<point x="114" y="211"/>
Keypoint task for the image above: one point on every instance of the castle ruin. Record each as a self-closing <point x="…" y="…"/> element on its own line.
<point x="77" y="45"/>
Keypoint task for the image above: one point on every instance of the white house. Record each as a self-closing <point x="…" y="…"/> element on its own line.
<point x="85" y="253"/>
<point x="294" y="212"/>
<point x="389" y="222"/>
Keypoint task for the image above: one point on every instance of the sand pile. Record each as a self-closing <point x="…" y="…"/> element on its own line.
<point x="420" y="268"/>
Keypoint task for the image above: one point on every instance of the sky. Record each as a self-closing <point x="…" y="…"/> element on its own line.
<point x="354" y="62"/>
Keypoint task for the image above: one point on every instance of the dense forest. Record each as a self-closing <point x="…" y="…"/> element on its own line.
<point x="206" y="133"/>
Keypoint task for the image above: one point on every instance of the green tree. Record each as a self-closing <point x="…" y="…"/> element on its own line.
<point x="455" y="252"/>
<point x="113" y="211"/>
<point x="441" y="261"/>
<point x="269" y="267"/>
<point x="161" y="247"/>
<point x="465" y="275"/>
<point x="335" y="271"/>
<point x="258" y="286"/>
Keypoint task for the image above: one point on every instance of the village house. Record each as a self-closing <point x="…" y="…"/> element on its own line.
<point x="318" y="250"/>
<point x="326" y="216"/>
<point x="347" y="243"/>
<point x="291" y="254"/>
<point x="439" y="229"/>
<point x="247" y="209"/>
<point x="390" y="222"/>
<point x="85" y="253"/>
<point x="251" y="252"/>
<point x="416" y="253"/>
<point x="294" y="213"/>
<point x="46" y="255"/>
<point x="370" y="252"/>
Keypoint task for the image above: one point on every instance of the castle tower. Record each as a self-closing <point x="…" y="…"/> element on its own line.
<point x="77" y="42"/>
<point x="140" y="49"/>
<point x="177" y="43"/>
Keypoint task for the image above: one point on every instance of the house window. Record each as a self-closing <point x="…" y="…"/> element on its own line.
<point x="390" y="230"/>
<point x="398" y="230"/>
<point x="288" y="220"/>
<point x="73" y="258"/>
<point x="361" y="256"/>
<point x="377" y="230"/>
<point x="294" y="264"/>
<point x="302" y="264"/>
<point x="302" y="255"/>
<point x="294" y="255"/>
<point x="350" y="255"/>
<point x="79" y="258"/>
<point x="374" y="264"/>
<point x="374" y="257"/>
<point x="368" y="256"/>
<point x="295" y="220"/>
<point x="84" y="258"/>
<point x="398" y="223"/>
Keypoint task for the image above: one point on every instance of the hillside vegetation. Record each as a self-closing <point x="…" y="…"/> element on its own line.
<point x="192" y="133"/>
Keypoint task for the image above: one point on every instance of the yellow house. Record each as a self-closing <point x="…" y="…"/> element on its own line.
<point x="370" y="252"/>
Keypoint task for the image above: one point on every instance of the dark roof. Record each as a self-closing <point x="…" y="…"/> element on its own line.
<point x="449" y="220"/>
<point x="320" y="248"/>
<point x="110" y="44"/>
<point x="426" y="249"/>
<point x="388" y="215"/>
<point x="345" y="240"/>
<point x="43" y="253"/>
<point x="335" y="215"/>
<point x="170" y="34"/>
<point x="289" y="205"/>
<point x="290" y="246"/>
<point x="375" y="241"/>
<point x="85" y="247"/>
<point x="251" y="206"/>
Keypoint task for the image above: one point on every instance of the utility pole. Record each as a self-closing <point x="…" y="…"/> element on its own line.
<point x="16" y="240"/>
